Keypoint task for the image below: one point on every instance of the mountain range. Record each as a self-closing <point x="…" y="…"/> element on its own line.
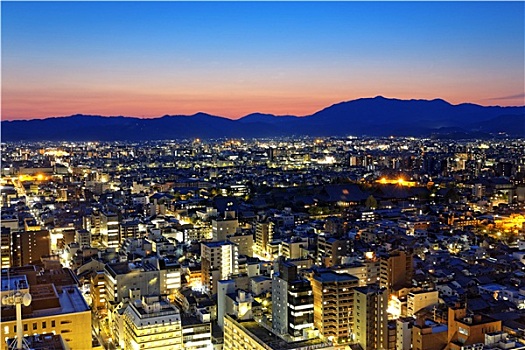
<point x="378" y="116"/>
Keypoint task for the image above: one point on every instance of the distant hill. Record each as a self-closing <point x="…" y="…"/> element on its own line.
<point x="377" y="116"/>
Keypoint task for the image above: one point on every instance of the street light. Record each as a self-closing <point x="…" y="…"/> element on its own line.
<point x="17" y="299"/>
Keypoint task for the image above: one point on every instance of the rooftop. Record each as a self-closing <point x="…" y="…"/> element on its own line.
<point x="48" y="300"/>
<point x="217" y="244"/>
<point x="12" y="283"/>
<point x="275" y="342"/>
<point x="44" y="342"/>
<point x="330" y="276"/>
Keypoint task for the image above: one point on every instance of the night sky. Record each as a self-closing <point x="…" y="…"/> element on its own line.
<point x="148" y="59"/>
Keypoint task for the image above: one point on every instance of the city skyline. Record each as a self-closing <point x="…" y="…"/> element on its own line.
<point x="232" y="59"/>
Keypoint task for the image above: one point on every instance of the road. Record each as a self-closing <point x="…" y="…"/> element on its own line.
<point x="101" y="330"/>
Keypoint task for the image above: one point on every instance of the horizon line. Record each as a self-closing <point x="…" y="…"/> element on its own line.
<point x="271" y="114"/>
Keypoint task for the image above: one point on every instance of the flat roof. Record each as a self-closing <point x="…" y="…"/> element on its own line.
<point x="330" y="276"/>
<point x="70" y="300"/>
<point x="12" y="283"/>
<point x="266" y="337"/>
<point x="217" y="244"/>
<point x="44" y="342"/>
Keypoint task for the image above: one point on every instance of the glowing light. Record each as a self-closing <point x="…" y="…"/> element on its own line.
<point x="399" y="181"/>
<point x="394" y="307"/>
<point x="26" y="177"/>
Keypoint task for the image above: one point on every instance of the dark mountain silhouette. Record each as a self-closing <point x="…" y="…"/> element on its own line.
<point x="267" y="118"/>
<point x="377" y="116"/>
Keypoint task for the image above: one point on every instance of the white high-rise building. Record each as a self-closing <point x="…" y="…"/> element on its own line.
<point x="219" y="261"/>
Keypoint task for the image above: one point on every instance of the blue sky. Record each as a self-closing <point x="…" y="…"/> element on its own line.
<point x="233" y="58"/>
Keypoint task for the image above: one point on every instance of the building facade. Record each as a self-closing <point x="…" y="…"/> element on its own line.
<point x="292" y="302"/>
<point x="219" y="260"/>
<point x="152" y="323"/>
<point x="370" y="317"/>
<point x="333" y="305"/>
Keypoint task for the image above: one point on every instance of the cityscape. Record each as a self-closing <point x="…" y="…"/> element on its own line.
<point x="267" y="244"/>
<point x="222" y="176"/>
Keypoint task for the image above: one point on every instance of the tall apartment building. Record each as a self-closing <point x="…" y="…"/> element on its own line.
<point x="292" y="301"/>
<point x="370" y="317"/>
<point x="109" y="229"/>
<point x="5" y="247"/>
<point x="219" y="261"/>
<point x="396" y="270"/>
<point x="98" y="290"/>
<point x="92" y="224"/>
<point x="333" y="305"/>
<point x="27" y="247"/>
<point x="152" y="323"/>
<point x="57" y="306"/>
<point x="263" y="235"/>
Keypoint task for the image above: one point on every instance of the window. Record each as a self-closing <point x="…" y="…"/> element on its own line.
<point x="463" y="331"/>
<point x="53" y="323"/>
<point x="25" y="327"/>
<point x="44" y="325"/>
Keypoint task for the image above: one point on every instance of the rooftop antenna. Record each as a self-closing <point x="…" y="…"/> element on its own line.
<point x="18" y="298"/>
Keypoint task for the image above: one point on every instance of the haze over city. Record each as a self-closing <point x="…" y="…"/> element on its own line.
<point x="149" y="59"/>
